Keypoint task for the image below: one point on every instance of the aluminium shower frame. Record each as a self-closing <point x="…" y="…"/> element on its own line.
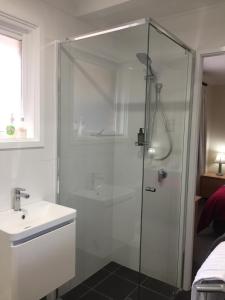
<point x="147" y="21"/>
<point x="185" y="277"/>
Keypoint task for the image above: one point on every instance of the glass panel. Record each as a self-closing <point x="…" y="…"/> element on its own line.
<point x="102" y="108"/>
<point x="164" y="173"/>
<point x="112" y="88"/>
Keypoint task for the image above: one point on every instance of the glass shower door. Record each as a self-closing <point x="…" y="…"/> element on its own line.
<point x="163" y="212"/>
<point x="102" y="108"/>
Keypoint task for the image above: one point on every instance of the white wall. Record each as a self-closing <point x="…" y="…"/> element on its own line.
<point x="35" y="169"/>
<point x="200" y="29"/>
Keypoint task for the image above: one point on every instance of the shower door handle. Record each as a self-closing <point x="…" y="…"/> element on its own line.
<point x="150" y="189"/>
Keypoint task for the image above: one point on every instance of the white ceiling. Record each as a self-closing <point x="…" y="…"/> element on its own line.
<point x="103" y="13"/>
<point x="214" y="70"/>
<point x="111" y="12"/>
<point x="83" y="7"/>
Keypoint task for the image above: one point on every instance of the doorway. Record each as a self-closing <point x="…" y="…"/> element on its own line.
<point x="209" y="227"/>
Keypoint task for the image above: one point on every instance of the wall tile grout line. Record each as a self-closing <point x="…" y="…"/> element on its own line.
<point x="99" y="282"/>
<point x="127" y="297"/>
<point x="119" y="267"/>
<point x="126" y="279"/>
<point x="92" y="289"/>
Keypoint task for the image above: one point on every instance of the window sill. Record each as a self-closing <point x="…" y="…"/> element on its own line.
<point x="7" y="144"/>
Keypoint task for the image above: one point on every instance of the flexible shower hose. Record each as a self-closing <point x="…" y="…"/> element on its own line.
<point x="159" y="108"/>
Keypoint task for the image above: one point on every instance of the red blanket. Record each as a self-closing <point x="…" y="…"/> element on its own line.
<point x="214" y="209"/>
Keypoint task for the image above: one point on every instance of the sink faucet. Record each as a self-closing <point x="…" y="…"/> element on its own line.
<point x="18" y="194"/>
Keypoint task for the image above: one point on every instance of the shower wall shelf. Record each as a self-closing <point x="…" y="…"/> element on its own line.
<point x="99" y="139"/>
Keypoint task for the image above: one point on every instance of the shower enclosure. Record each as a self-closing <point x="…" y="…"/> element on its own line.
<point x="124" y="111"/>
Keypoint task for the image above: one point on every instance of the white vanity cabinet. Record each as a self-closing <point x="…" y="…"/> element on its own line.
<point x="34" y="266"/>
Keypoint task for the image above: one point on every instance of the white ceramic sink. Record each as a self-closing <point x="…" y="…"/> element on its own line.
<point x="34" y="219"/>
<point x="37" y="249"/>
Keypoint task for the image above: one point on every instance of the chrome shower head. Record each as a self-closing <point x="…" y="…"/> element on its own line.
<point x="145" y="60"/>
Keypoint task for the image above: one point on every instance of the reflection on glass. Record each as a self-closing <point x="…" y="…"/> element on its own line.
<point x="102" y="109"/>
<point x="123" y="114"/>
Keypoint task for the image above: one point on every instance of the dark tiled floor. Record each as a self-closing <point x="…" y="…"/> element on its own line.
<point x="93" y="295"/>
<point x="76" y="293"/>
<point x="115" y="282"/>
<point x="160" y="287"/>
<point x="96" y="278"/>
<point x="141" y="293"/>
<point x="112" y="266"/>
<point x="131" y="275"/>
<point x="182" y="295"/>
<point x="115" y="287"/>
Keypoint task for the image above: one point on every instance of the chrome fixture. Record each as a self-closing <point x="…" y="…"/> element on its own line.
<point x="150" y="124"/>
<point x="162" y="174"/>
<point x="146" y="60"/>
<point x="18" y="194"/>
<point x="159" y="109"/>
<point x="150" y="189"/>
<point x="100" y="132"/>
<point x="151" y="76"/>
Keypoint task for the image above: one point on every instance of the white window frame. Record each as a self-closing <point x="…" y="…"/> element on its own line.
<point x="29" y="35"/>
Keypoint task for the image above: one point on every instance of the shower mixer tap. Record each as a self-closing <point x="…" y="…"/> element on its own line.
<point x="162" y="174"/>
<point x="150" y="189"/>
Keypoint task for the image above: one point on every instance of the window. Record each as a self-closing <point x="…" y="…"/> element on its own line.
<point x="19" y="84"/>
<point x="10" y="85"/>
